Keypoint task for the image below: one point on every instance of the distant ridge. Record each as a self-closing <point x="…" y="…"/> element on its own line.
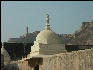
<point x="83" y="36"/>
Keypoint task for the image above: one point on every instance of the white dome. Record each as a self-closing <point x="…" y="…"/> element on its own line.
<point x="48" y="37"/>
<point x="47" y="42"/>
<point x="6" y="55"/>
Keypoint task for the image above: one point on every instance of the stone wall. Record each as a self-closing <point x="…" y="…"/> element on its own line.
<point x="77" y="60"/>
<point x="11" y="67"/>
<point x="2" y="62"/>
<point x="25" y="49"/>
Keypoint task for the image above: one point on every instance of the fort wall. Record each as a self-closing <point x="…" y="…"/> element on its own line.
<point x="75" y="60"/>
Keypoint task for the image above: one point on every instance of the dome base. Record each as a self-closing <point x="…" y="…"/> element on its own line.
<point x="47" y="49"/>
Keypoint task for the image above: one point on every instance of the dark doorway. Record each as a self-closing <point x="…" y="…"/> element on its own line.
<point x="36" y="67"/>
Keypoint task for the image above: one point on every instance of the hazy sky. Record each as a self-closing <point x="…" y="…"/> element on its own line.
<point x="65" y="16"/>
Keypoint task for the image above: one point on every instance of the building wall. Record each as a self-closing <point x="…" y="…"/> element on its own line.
<point x="77" y="60"/>
<point x="24" y="66"/>
<point x="2" y="62"/>
<point x="15" y="54"/>
<point x="11" y="67"/>
<point x="47" y="48"/>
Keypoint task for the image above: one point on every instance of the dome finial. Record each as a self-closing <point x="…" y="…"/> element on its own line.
<point x="47" y="21"/>
<point x="47" y="18"/>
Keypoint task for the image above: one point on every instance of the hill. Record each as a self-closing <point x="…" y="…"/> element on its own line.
<point x="84" y="36"/>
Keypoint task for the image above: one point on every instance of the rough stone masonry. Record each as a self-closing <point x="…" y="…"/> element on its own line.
<point x="76" y="60"/>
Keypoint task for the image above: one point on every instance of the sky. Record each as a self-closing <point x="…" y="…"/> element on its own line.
<point x="65" y="16"/>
